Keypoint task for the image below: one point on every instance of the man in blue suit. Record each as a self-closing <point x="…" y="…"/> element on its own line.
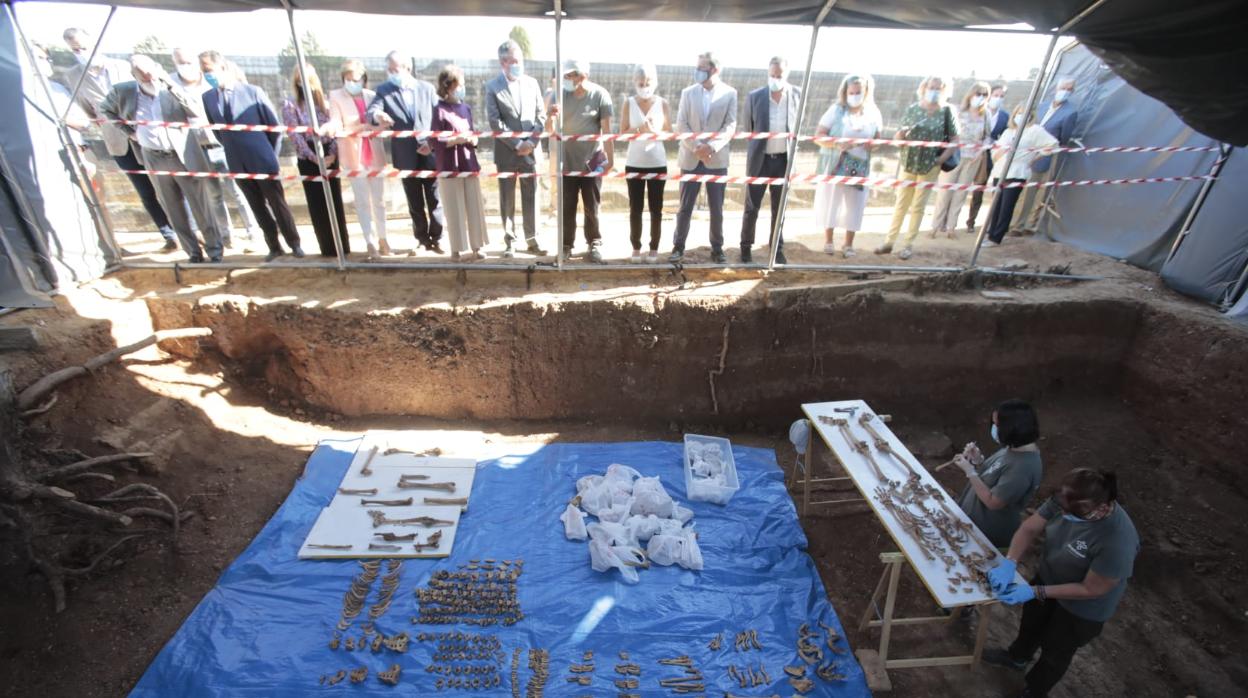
<point x="1059" y="119"/>
<point x="773" y="108"/>
<point x="235" y="102"/>
<point x="999" y="118"/>
<point x="404" y="103"/>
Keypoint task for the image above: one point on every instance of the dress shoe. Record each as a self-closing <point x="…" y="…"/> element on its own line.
<point x="718" y="257"/>
<point x="273" y="255"/>
<point x="169" y="246"/>
<point x="297" y="252"/>
<point x="436" y="248"/>
<point x="747" y="255"/>
<point x="676" y="256"/>
<point x="535" y="249"/>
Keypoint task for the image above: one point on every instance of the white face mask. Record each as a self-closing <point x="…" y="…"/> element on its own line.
<point x="1061" y="96"/>
<point x="644" y="92"/>
<point x="854" y="101"/>
<point x="994" y="103"/>
<point x="933" y="96"/>
<point x="188" y="72"/>
<point x="977" y="102"/>
<point x="775" y="84"/>
<point x="1018" y="120"/>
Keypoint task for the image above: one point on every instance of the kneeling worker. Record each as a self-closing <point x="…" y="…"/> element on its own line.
<point x="1089" y="550"/>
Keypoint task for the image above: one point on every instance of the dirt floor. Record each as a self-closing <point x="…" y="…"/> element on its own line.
<point x="229" y="448"/>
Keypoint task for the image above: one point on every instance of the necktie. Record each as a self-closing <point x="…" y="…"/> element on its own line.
<point x="225" y="107"/>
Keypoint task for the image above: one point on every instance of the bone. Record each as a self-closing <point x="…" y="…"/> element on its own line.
<point x="367" y="493"/>
<point x="386" y="502"/>
<point x="442" y="486"/>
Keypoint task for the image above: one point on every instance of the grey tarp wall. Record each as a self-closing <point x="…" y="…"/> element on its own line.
<point x="50" y="238"/>
<point x="1213" y="255"/>
<point x="1136" y="222"/>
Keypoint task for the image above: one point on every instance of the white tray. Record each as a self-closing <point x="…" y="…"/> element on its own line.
<point x="703" y="489"/>
<point x="347" y="523"/>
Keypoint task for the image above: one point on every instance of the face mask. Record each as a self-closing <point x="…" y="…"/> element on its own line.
<point x="854" y="100"/>
<point x="994" y="434"/>
<point x="459" y="93"/>
<point x="149" y="88"/>
<point x="353" y="87"/>
<point x="396" y="79"/>
<point x="933" y="96"/>
<point x="977" y="101"/>
<point x="700" y="75"/>
<point x="775" y="84"/>
<point x="645" y="92"/>
<point x="1073" y="519"/>
<point x="1018" y="120"/>
<point x="211" y="80"/>
<point x="515" y="70"/>
<point x="82" y="57"/>
<point x="189" y="72"/>
<point x="994" y="103"/>
<point x="1061" y="96"/>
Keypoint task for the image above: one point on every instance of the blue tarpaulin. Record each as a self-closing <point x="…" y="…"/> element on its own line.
<point x="265" y="628"/>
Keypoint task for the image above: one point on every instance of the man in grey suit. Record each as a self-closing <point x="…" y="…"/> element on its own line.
<point x="513" y="102"/>
<point x="150" y="97"/>
<point x="773" y="108"/>
<point x="1059" y="120"/>
<point x="406" y="104"/>
<point x="706" y="106"/>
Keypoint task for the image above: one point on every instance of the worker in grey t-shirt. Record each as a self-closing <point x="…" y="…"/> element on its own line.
<point x="587" y="111"/>
<point x="1089" y="552"/>
<point x="997" y="491"/>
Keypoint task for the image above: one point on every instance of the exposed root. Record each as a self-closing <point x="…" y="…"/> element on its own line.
<point x="173" y="518"/>
<point x="80" y="466"/>
<point x="719" y="370"/>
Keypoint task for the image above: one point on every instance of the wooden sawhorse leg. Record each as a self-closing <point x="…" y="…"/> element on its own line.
<point x="808" y="477"/>
<point x="875" y="663"/>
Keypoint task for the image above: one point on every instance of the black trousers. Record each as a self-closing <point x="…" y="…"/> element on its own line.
<point x="1002" y="211"/>
<point x="267" y="200"/>
<point x="1057" y="633"/>
<point x="318" y="211"/>
<point x="146" y="190"/>
<point x="773" y="166"/>
<point x="422" y="201"/>
<point x="977" y="197"/>
<point x="640" y="193"/>
<point x="589" y="191"/>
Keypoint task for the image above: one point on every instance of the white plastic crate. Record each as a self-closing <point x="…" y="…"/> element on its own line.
<point x="706" y="490"/>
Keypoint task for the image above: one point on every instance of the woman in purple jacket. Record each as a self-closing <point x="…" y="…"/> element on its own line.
<point x="461" y="196"/>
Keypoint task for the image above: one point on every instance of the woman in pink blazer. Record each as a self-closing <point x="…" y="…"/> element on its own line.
<point x="347" y="106"/>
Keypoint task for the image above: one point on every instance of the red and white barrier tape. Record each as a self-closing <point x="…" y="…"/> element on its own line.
<point x="665" y="136"/>
<point x="884" y="182"/>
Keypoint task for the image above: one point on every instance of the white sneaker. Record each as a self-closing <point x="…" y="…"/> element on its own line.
<point x="636" y="258"/>
<point x="652" y="257"/>
<point x="848" y="252"/>
<point x="829" y="248"/>
<point x="906" y="253"/>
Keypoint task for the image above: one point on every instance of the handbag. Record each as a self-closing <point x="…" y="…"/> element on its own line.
<point x="950" y="164"/>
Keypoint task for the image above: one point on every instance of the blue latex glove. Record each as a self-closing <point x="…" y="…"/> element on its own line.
<point x="1002" y="575"/>
<point x="1016" y="594"/>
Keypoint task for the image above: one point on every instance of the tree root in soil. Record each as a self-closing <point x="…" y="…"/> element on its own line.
<point x="29" y="492"/>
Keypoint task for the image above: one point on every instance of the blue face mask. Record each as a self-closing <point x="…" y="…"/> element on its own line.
<point x="515" y="70"/>
<point x="700" y="75"/>
<point x="211" y="80"/>
<point x="995" y="436"/>
<point x="459" y="93"/>
<point x="1073" y="519"/>
<point x="568" y="85"/>
<point x="396" y="79"/>
<point x="353" y="87"/>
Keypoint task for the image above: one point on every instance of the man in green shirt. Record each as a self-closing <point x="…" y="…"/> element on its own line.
<point x="1089" y="552"/>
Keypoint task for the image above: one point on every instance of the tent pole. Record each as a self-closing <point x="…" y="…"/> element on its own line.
<point x="1236" y="291"/>
<point x="73" y="94"/>
<point x="777" y="225"/>
<point x="1214" y="171"/>
<point x="558" y="130"/>
<point x="1031" y="103"/>
<point x="105" y="230"/>
<point x="317" y="145"/>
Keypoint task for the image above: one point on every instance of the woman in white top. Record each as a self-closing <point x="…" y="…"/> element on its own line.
<point x="646" y="112"/>
<point x="347" y="107"/>
<point x="973" y="133"/>
<point x="1036" y="142"/>
<point x="852" y="115"/>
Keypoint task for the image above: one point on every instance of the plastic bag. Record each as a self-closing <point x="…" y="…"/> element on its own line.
<point x="602" y="558"/>
<point x="610" y="533"/>
<point x="587" y="482"/>
<point x="690" y="553"/>
<point x="681" y="514"/>
<point x="651" y="498"/>
<point x="669" y="527"/>
<point x="618" y="511"/>
<point x="573" y="523"/>
<point x="621" y="474"/>
<point x="596" y="497"/>
<point x="664" y="549"/>
<point x="643" y="528"/>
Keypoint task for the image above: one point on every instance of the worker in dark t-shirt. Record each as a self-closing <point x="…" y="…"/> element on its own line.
<point x="1088" y="554"/>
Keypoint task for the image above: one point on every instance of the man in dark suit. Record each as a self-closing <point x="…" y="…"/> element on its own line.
<point x="998" y="119"/>
<point x="406" y="104"/>
<point x="772" y="107"/>
<point x="513" y="102"/>
<point x="1059" y="119"/>
<point x="234" y="102"/>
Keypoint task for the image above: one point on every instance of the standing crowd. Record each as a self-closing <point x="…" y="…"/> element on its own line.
<point x="200" y="214"/>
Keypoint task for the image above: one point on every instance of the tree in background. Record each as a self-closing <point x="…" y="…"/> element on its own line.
<point x="310" y="44"/>
<point x="520" y="36"/>
<point x="153" y="46"/>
